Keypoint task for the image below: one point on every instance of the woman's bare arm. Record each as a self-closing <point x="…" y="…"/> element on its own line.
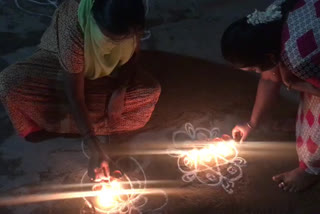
<point x="267" y="92"/>
<point x="293" y="82"/>
<point x="74" y="87"/>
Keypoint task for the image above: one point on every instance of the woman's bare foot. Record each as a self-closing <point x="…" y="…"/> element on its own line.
<point x="296" y="180"/>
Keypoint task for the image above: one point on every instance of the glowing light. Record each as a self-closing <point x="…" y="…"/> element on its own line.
<point x="115" y="196"/>
<point x="122" y="195"/>
<point x="108" y="195"/>
<point x="214" y="163"/>
<point x="209" y="153"/>
<point x="224" y="148"/>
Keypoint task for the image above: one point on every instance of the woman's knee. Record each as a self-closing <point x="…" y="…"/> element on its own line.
<point x="11" y="78"/>
<point x="5" y="81"/>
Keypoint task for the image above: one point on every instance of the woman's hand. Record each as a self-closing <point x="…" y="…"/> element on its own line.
<point x="241" y="132"/>
<point x="267" y="93"/>
<point x="98" y="168"/>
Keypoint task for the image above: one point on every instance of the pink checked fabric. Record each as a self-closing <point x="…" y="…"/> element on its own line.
<point x="301" y="54"/>
<point x="301" y="41"/>
<point x="308" y="133"/>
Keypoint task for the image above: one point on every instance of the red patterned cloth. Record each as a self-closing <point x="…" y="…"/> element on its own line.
<point x="33" y="93"/>
<point x="301" y="54"/>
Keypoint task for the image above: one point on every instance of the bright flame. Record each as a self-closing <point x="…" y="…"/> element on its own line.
<point x="223" y="149"/>
<point x="206" y="154"/>
<point x="109" y="194"/>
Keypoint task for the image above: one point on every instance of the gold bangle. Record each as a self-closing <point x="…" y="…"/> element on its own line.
<point x="249" y="125"/>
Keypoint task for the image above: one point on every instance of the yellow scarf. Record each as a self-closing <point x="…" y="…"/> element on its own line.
<point x="102" y="55"/>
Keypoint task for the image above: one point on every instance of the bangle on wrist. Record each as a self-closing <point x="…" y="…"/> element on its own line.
<point x="250" y="125"/>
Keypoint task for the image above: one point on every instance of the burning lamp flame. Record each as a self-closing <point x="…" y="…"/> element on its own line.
<point x="206" y="158"/>
<point x="223" y="149"/>
<point x="109" y="194"/>
<point x="209" y="152"/>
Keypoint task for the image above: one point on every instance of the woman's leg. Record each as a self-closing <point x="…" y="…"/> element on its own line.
<point x="141" y="98"/>
<point x="308" y="143"/>
<point x="30" y="92"/>
<point x="308" y="135"/>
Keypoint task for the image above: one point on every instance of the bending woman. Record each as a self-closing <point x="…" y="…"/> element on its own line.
<point x="83" y="79"/>
<point x="282" y="44"/>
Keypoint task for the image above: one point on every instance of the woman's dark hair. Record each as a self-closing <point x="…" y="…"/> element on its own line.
<point x="245" y="45"/>
<point x="119" y="17"/>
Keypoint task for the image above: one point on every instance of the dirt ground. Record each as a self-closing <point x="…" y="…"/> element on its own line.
<point x="203" y="93"/>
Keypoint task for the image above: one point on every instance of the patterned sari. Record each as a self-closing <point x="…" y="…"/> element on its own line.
<point x="301" y="54"/>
